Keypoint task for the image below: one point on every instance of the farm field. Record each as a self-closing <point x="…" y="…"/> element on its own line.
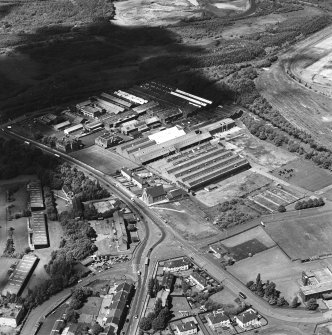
<point x="303" y="236"/>
<point x="305" y="175"/>
<point x="103" y="160"/>
<point x="236" y="186"/>
<point x="261" y="152"/>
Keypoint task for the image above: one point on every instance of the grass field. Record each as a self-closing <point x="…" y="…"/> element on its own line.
<point x="306" y="175"/>
<point x="225" y="297"/>
<point x="304" y="235"/>
<point x="103" y="160"/>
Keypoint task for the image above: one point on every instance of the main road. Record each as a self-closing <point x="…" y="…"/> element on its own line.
<point x="203" y="260"/>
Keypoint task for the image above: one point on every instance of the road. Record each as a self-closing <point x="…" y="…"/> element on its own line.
<point x="202" y="259"/>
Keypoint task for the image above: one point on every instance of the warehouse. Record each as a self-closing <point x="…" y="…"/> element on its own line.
<point x="109" y="106"/>
<point x="95" y="125"/>
<point x="20" y="276"/>
<point x="117" y="100"/>
<point x="36" y="195"/>
<point x="142" y="109"/>
<point x="80" y="105"/>
<point x="120" y="231"/>
<point x="72" y="129"/>
<point x="167" y="134"/>
<point x="131" y="97"/>
<point x="61" y="125"/>
<point x="219" y="126"/>
<point x="38" y="237"/>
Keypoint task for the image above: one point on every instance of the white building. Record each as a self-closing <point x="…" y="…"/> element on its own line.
<point x="247" y="318"/>
<point x="180" y="264"/>
<point x="11" y="315"/>
<point x="217" y="320"/>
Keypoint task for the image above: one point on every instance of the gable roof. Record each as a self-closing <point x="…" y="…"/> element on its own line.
<point x="177" y="263"/>
<point x="199" y="278"/>
<point x="186" y="326"/>
<point x="178" y="192"/>
<point x="247" y="316"/>
<point x="217" y="318"/>
<point x="155" y="191"/>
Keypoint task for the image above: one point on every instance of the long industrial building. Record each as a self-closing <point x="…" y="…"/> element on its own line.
<point x="38" y="237"/>
<point x="120" y="231"/>
<point x="20" y="276"/>
<point x="36" y="195"/>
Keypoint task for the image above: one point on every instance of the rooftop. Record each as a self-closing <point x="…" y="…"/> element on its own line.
<point x="167" y="134"/>
<point x="247" y="316"/>
<point x="216" y="318"/>
<point x="155" y="191"/>
<point x="182" y="327"/>
<point x="177" y="263"/>
<point x="10" y="310"/>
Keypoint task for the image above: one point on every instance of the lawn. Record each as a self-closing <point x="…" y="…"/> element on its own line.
<point x="225" y="297"/>
<point x="304" y="234"/>
<point x="102" y="159"/>
<point x="305" y="175"/>
<point x="179" y="304"/>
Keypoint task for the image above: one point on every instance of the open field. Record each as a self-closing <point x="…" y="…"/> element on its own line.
<point x="260" y="152"/>
<point x="301" y="106"/>
<point x="103" y="160"/>
<point x="303" y="237"/>
<point x="305" y="175"/>
<point x="225" y="297"/>
<point x="236" y="186"/>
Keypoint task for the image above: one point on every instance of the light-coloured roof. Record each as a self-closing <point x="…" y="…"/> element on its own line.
<point x="167" y="134"/>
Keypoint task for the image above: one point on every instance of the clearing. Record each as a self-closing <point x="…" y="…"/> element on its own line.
<point x="305" y="174"/>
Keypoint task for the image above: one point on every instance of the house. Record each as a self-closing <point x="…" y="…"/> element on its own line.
<point x="153" y="194"/>
<point x="180" y="264"/>
<point x="176" y="194"/>
<point x="217" y="320"/>
<point x="247" y="318"/>
<point x="199" y="280"/>
<point x="186" y="328"/>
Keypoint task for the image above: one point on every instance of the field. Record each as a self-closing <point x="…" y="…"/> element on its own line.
<point x="272" y="198"/>
<point x="236" y="186"/>
<point x="303" y="236"/>
<point x="252" y="241"/>
<point x="103" y="160"/>
<point x="225" y="297"/>
<point x="305" y="175"/>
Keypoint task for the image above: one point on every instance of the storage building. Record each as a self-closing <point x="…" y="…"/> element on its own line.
<point x="72" y="129"/>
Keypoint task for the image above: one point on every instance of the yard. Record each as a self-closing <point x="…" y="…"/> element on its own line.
<point x="104" y="160"/>
<point x="305" y="174"/>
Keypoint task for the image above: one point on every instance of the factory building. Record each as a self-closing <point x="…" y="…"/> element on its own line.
<point x="91" y="111"/>
<point x="37" y="229"/>
<point x="36" y="195"/>
<point x="61" y="125"/>
<point x="108" y="140"/>
<point x="120" y="231"/>
<point x="72" y="129"/>
<point x="20" y="276"/>
<point x="316" y="284"/>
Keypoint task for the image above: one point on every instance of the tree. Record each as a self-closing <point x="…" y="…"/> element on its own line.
<point x="71" y="315"/>
<point x="250" y="283"/>
<point x="185" y="286"/>
<point x="258" y="279"/>
<point x="312" y="304"/>
<point x="156" y="286"/>
<point x="282" y="302"/>
<point x="281" y="209"/>
<point x="158" y="306"/>
<point x="145" y="324"/>
<point x="150" y="287"/>
<point x="295" y="302"/>
<point x="96" y="329"/>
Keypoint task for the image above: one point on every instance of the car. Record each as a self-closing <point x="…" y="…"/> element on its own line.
<point x="136" y="316"/>
<point x="242" y="295"/>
